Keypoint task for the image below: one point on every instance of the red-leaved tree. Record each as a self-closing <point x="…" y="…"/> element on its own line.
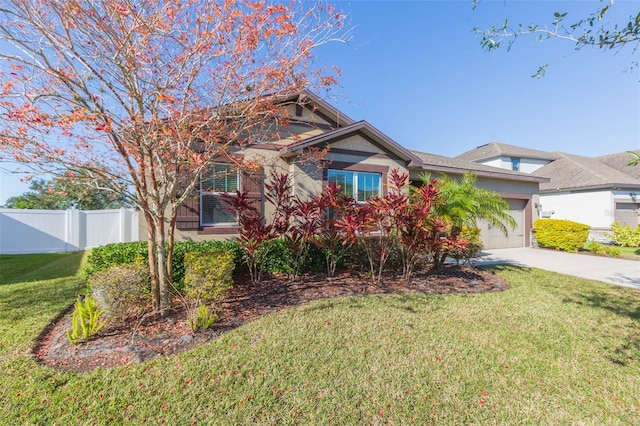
<point x="146" y="94"/>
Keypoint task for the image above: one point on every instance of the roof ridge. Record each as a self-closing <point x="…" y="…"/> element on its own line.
<point x="570" y="157"/>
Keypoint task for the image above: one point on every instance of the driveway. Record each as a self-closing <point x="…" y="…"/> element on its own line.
<point x="611" y="270"/>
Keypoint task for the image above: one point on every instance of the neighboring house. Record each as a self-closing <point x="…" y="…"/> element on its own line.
<point x="509" y="157"/>
<point x="592" y="190"/>
<point x="359" y="158"/>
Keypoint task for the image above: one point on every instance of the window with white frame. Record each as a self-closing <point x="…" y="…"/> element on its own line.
<point x="222" y="178"/>
<point x="515" y="164"/>
<point x="359" y="185"/>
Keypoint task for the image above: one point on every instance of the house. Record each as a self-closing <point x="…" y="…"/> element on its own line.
<point x="592" y="190"/>
<point x="359" y="158"/>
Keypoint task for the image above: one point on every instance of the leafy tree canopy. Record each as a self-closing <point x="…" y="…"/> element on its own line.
<point x="63" y="193"/>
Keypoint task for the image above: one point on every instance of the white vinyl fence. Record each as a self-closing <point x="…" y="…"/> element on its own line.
<point x="51" y="231"/>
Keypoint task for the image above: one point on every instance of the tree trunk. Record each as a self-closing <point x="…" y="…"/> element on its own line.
<point x="160" y="281"/>
<point x="151" y="252"/>
<point x="164" y="302"/>
<point x="171" y="241"/>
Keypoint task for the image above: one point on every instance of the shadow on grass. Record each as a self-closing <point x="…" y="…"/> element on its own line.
<point x="44" y="298"/>
<point x="612" y="302"/>
<point x="506" y="268"/>
<point x="620" y="304"/>
<point x="34" y="267"/>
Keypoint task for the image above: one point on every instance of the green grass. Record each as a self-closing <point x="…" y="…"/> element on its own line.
<point x="34" y="267"/>
<point x="630" y="252"/>
<point x="551" y="350"/>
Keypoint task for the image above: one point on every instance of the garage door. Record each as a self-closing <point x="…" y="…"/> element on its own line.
<point x="493" y="238"/>
<point x="627" y="214"/>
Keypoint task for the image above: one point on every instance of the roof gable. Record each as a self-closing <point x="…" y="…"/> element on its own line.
<point x="307" y="102"/>
<point x="497" y="149"/>
<point x="362" y="128"/>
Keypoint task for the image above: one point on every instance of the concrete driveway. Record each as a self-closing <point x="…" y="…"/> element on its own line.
<point x="611" y="270"/>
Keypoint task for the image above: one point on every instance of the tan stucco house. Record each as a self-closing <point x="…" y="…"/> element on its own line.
<point x="359" y="158"/>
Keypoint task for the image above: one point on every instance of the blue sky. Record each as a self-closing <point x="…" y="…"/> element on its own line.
<point x="416" y="71"/>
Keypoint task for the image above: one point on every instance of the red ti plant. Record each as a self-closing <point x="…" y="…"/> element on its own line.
<point x="336" y="220"/>
<point x="440" y="241"/>
<point x="253" y="231"/>
<point x="368" y="224"/>
<point x="302" y="233"/>
<point x="413" y="219"/>
<point x="279" y="192"/>
<point x="294" y="220"/>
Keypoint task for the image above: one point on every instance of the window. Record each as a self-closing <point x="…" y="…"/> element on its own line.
<point x="515" y="164"/>
<point x="359" y="185"/>
<point x="221" y="179"/>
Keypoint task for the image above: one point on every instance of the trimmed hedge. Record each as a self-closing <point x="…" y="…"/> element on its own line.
<point x="208" y="275"/>
<point x="136" y="253"/>
<point x="561" y="234"/>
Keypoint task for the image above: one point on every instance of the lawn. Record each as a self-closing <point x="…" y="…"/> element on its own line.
<point x="551" y="350"/>
<point x="630" y="252"/>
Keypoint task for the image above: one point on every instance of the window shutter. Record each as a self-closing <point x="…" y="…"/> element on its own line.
<point x="189" y="211"/>
<point x="253" y="184"/>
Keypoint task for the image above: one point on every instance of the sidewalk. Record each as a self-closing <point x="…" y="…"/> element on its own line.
<point x="611" y="270"/>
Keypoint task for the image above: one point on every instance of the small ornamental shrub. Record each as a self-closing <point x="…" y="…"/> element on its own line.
<point x="473" y="247"/>
<point x="601" y="249"/>
<point x="208" y="275"/>
<point x="561" y="234"/>
<point x="201" y="319"/>
<point x="625" y="235"/>
<point x="182" y="247"/>
<point x="122" y="291"/>
<point x="85" y="321"/>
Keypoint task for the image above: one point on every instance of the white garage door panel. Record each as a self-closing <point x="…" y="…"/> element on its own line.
<point x="627" y="214"/>
<point x="493" y="238"/>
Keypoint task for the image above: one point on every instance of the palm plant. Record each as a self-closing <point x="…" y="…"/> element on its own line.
<point x="464" y="203"/>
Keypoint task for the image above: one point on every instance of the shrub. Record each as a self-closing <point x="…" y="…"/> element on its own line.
<point x="182" y="247"/>
<point x="208" y="275"/>
<point x="624" y="235"/>
<point x="279" y="258"/>
<point x="474" y="244"/>
<point x="136" y="253"/>
<point x="561" y="234"/>
<point x="116" y="254"/>
<point x="122" y="291"/>
<point x="596" y="248"/>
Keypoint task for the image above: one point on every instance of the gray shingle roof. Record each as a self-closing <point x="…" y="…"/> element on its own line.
<point x="439" y="163"/>
<point x="619" y="161"/>
<point x="498" y="149"/>
<point x="570" y="172"/>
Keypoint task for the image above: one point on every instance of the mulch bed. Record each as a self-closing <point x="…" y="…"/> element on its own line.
<point x="140" y="340"/>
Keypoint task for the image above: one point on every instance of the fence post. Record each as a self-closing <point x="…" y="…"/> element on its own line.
<point x="122" y="218"/>
<point x="72" y="232"/>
